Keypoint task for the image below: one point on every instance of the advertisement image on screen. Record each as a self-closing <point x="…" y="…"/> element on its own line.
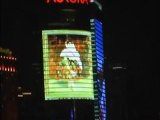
<point x="67" y="64"/>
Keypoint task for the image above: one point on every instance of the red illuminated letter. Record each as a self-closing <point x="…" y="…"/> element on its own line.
<point x="84" y="1"/>
<point x="59" y="1"/>
<point x="67" y="1"/>
<point x="48" y="1"/>
<point x="73" y="1"/>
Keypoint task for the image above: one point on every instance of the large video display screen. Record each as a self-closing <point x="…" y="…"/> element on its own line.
<point x="67" y="64"/>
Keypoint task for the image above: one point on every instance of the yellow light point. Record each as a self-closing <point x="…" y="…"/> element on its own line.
<point x="27" y="93"/>
<point x="19" y="95"/>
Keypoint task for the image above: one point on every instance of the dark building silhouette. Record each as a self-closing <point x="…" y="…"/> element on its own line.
<point x="8" y="82"/>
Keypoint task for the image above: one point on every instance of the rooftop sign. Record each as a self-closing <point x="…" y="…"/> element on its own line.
<point x="69" y="1"/>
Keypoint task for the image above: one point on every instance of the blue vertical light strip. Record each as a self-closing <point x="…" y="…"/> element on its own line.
<point x="72" y="114"/>
<point x="100" y="84"/>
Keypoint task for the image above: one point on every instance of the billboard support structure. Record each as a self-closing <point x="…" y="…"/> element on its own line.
<point x="74" y="110"/>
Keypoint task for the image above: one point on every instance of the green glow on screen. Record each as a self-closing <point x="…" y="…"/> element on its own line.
<point x="67" y="64"/>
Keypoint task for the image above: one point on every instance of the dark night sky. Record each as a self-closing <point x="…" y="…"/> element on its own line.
<point x="131" y="27"/>
<point x="132" y="35"/>
<point x="131" y="31"/>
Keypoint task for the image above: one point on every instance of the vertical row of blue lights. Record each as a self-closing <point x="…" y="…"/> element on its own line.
<point x="99" y="81"/>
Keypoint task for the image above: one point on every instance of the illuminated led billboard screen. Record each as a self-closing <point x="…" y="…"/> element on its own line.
<point x="67" y="64"/>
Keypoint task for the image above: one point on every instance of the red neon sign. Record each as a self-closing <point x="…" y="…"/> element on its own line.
<point x="69" y="1"/>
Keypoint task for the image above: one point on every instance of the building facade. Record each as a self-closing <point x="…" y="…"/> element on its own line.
<point x="72" y="60"/>
<point x="8" y="75"/>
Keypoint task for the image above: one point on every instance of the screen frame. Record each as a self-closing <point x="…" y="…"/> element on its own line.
<point x="45" y="34"/>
